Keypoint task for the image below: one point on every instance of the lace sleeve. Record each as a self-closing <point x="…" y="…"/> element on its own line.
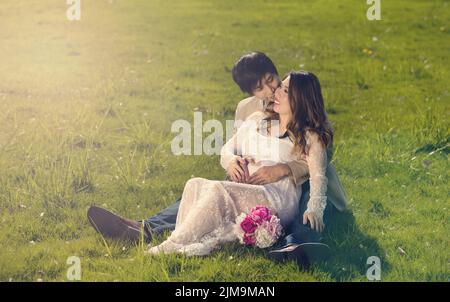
<point x="317" y="164"/>
<point x="233" y="147"/>
<point x="229" y="151"/>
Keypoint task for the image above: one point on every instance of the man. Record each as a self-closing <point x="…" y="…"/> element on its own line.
<point x="256" y="75"/>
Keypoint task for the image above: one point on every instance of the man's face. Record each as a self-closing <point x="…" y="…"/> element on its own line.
<point x="267" y="86"/>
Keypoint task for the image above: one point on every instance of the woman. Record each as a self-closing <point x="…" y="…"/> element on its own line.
<point x="209" y="208"/>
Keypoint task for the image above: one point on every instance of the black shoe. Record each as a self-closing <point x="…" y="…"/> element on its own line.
<point x="113" y="226"/>
<point x="304" y="253"/>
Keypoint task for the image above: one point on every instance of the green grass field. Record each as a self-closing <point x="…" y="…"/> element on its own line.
<point x="86" y="109"/>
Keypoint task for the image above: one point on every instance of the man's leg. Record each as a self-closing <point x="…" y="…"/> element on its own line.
<point x="301" y="241"/>
<point x="164" y="220"/>
<point x="298" y="232"/>
<point x="113" y="226"/>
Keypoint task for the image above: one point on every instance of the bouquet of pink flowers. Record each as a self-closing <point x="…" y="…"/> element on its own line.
<point x="259" y="227"/>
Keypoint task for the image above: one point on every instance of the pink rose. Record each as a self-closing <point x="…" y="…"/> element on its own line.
<point x="257" y="207"/>
<point x="249" y="239"/>
<point x="248" y="225"/>
<point x="260" y="214"/>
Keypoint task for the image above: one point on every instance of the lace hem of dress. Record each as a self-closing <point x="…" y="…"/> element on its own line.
<point x="203" y="247"/>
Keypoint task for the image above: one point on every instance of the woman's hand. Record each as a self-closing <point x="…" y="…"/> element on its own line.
<point x="238" y="170"/>
<point x="315" y="220"/>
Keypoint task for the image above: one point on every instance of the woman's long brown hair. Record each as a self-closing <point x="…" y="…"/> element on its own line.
<point x="306" y="102"/>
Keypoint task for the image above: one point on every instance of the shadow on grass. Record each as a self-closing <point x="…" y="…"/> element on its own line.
<point x="351" y="248"/>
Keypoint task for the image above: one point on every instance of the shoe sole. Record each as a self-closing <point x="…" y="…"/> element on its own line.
<point x="111" y="225"/>
<point x="305" y="253"/>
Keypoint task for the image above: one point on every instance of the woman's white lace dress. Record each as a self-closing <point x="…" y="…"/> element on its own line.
<point x="209" y="208"/>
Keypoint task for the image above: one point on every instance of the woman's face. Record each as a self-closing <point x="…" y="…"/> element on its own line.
<point x="281" y="99"/>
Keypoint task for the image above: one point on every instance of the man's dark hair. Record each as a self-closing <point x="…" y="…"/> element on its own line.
<point x="250" y="69"/>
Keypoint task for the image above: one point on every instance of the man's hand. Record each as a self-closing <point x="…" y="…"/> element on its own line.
<point x="238" y="170"/>
<point x="269" y="174"/>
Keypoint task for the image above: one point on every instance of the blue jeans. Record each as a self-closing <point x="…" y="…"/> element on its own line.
<point x="296" y="233"/>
